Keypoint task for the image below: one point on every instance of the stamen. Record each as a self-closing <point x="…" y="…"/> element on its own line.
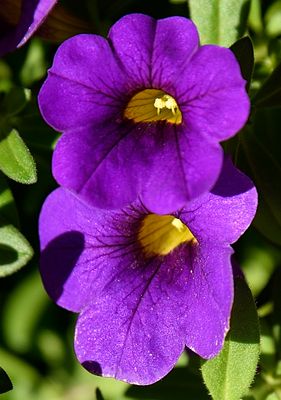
<point x="152" y="105"/>
<point x="161" y="234"/>
<point x="166" y="101"/>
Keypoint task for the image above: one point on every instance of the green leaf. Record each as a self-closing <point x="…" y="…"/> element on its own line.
<point x="269" y="94"/>
<point x="8" y="210"/>
<point x="15" y="159"/>
<point x="15" y="251"/>
<point x="5" y="383"/>
<point x="220" y="21"/>
<point x="244" y="53"/>
<point x="229" y="375"/>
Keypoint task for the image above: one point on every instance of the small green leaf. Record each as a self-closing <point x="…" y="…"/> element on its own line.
<point x="15" y="251"/>
<point x="244" y="53"/>
<point x="220" y="21"/>
<point x="5" y="383"/>
<point x="15" y="159"/>
<point x="229" y="375"/>
<point x="269" y="94"/>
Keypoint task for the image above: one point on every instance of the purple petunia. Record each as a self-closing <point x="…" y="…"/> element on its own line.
<point x="142" y="113"/>
<point x="145" y="285"/>
<point x="33" y="14"/>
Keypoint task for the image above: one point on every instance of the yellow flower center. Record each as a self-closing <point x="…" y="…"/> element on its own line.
<point x="160" y="234"/>
<point x="151" y="105"/>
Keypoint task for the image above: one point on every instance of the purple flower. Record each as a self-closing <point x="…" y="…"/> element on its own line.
<point x="145" y="285"/>
<point x="142" y="113"/>
<point x="33" y="14"/>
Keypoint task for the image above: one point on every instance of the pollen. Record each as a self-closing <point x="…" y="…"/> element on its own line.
<point x="166" y="101"/>
<point x="152" y="105"/>
<point x="159" y="235"/>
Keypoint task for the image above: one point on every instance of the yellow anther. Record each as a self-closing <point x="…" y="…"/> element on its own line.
<point x="166" y="101"/>
<point x="152" y="105"/>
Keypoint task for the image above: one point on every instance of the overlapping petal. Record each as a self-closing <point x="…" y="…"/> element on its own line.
<point x="228" y="209"/>
<point x="33" y="14"/>
<point x="175" y="177"/>
<point x="129" y="159"/>
<point x="112" y="174"/>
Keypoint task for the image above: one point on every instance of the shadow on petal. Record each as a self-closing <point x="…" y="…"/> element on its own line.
<point x="231" y="181"/>
<point x="58" y="260"/>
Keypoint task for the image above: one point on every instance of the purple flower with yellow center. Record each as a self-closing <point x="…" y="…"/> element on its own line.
<point x="145" y="285"/>
<point x="18" y="29"/>
<point x="142" y="113"/>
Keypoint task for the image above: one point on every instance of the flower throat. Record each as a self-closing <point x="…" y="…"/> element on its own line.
<point x="160" y="234"/>
<point x="151" y="105"/>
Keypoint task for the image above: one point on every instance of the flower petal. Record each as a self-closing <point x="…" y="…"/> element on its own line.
<point x="211" y="93"/>
<point x="135" y="330"/>
<point x="85" y="84"/>
<point x="182" y="170"/>
<point x="32" y="16"/>
<point x="209" y="298"/>
<point x="132" y="39"/>
<point x="153" y="52"/>
<point x="164" y="164"/>
<point x="70" y="262"/>
<point x="111" y="175"/>
<point x="132" y="331"/>
<point x="227" y="211"/>
<point x="176" y="40"/>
